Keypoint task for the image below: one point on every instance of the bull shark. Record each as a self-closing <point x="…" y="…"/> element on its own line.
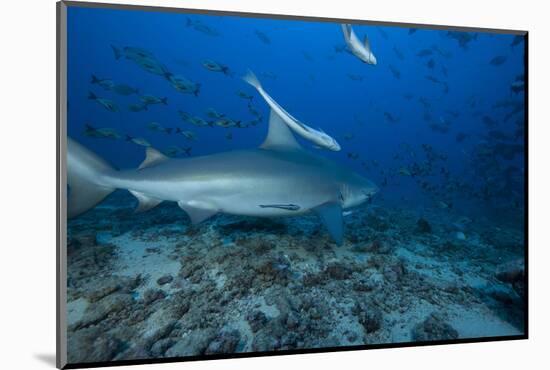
<point x="279" y="178"/>
<point x="361" y="50"/>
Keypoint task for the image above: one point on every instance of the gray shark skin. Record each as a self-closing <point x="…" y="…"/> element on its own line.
<point x="279" y="178"/>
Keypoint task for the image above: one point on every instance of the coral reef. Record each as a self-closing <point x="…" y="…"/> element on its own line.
<point x="152" y="285"/>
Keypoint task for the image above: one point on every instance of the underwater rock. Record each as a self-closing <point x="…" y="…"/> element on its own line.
<point x="368" y="315"/>
<point x="160" y="347"/>
<point x="193" y="344"/>
<point x="165" y="279"/>
<point x="513" y="273"/>
<point x="395" y="272"/>
<point x="103" y="238"/>
<point x="99" y="311"/>
<point x="100" y="288"/>
<point x="92" y="345"/>
<point x="338" y="271"/>
<point x="459" y="235"/>
<point x="152" y="295"/>
<point x="265" y="341"/>
<point x="313" y="279"/>
<point x="225" y="342"/>
<point x="256" y="320"/>
<point x="423" y="226"/>
<point x="380" y="247"/>
<point x="433" y="328"/>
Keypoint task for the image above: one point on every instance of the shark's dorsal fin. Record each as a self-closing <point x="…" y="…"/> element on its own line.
<point x="279" y="135"/>
<point x="366" y="42"/>
<point x="152" y="157"/>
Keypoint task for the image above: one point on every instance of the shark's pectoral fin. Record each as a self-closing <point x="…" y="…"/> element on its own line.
<point x="331" y="215"/>
<point x="195" y="213"/>
<point x="145" y="201"/>
<point x="152" y="157"/>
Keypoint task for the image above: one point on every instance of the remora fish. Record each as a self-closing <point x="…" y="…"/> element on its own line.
<point x="272" y="180"/>
<point x="320" y="138"/>
<point x="360" y="50"/>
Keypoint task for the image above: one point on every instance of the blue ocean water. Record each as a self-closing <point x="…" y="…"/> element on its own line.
<point x="327" y="89"/>
<point x="438" y="124"/>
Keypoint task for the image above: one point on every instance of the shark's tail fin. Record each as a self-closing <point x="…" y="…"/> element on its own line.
<point x="346" y="29"/>
<point x="251" y="78"/>
<point x="84" y="172"/>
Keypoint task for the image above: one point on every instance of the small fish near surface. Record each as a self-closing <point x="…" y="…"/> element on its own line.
<point x="216" y="67"/>
<point x="395" y="72"/>
<point x="488" y="121"/>
<point x="424" y="53"/>
<point x="498" y="60"/>
<point x="201" y="27"/>
<point x="463" y="38"/>
<point x="103" y="133"/>
<point x="412" y="31"/>
<point x="143" y="58"/>
<point x="183" y="85"/>
<point x="383" y="33"/>
<point x="212" y="113"/>
<point x="518" y="85"/>
<point x="174" y="151"/>
<point x="124" y="90"/>
<point x="439" y="128"/>
<point x="137" y="107"/>
<point x="443" y="53"/>
<point x="431" y="63"/>
<point x="362" y="50"/>
<point x="390" y="117"/>
<point x="355" y="77"/>
<point x="444" y="205"/>
<point x="404" y="171"/>
<point x="227" y="123"/>
<point x="138" y="141"/>
<point x="105" y="83"/>
<point x="318" y="137"/>
<point x="198" y="121"/>
<point x="398" y="53"/>
<point x="242" y="94"/>
<point x="262" y="37"/>
<point x="105" y="103"/>
<point x="253" y="110"/>
<point x="461" y="136"/>
<point x="189" y="135"/>
<point x="151" y="99"/>
<point x="518" y="39"/>
<point x="155" y="126"/>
